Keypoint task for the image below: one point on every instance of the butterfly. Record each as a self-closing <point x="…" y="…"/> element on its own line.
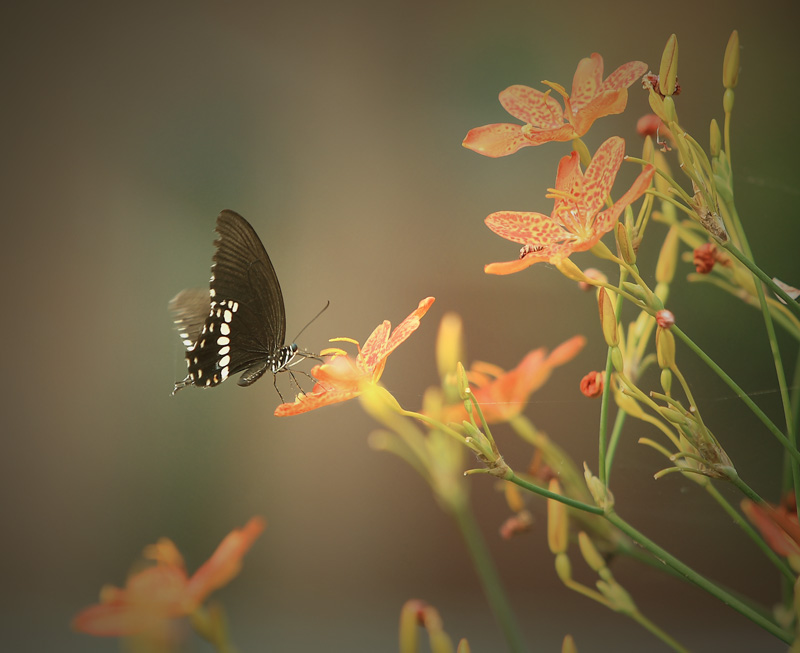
<point x="239" y="324"/>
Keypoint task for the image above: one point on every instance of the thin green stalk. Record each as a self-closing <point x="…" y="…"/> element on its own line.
<point x="489" y="578"/>
<point x="513" y="478"/>
<point x="643" y="621"/>
<point x="616" y="432"/>
<point x="750" y="265"/>
<point x="789" y="446"/>
<point x="702" y="582"/>
<point x="602" y="436"/>
<point x="742" y="523"/>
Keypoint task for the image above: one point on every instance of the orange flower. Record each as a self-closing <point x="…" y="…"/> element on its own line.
<point x="592" y="384"/>
<point x="779" y="526"/>
<point x="342" y="378"/>
<point x="164" y="591"/>
<point x="591" y="98"/>
<point x="576" y="223"/>
<point x="503" y="395"/>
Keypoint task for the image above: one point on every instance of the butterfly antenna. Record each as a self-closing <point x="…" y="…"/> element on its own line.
<point x="324" y="308"/>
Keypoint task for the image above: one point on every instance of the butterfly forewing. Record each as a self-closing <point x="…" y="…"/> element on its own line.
<point x="242" y="317"/>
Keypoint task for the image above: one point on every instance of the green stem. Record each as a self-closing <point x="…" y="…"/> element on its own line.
<point x="789" y="446"/>
<point x="616" y="432"/>
<point x="602" y="436"/>
<point x="750" y="265"/>
<point x="773" y="557"/>
<point x="489" y="578"/>
<point x="702" y="582"/>
<point x="643" y="621"/>
<point x="513" y="478"/>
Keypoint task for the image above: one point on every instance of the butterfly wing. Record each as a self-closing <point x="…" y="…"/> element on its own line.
<point x="244" y="320"/>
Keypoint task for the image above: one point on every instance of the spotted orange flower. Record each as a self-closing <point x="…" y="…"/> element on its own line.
<point x="576" y="223"/>
<point x="503" y="395"/>
<point x="164" y="591"/>
<point x="343" y="377"/>
<point x="545" y="121"/>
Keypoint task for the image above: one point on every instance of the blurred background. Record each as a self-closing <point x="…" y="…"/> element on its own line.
<point x="336" y="129"/>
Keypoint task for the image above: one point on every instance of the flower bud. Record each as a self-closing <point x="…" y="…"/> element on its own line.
<point x="715" y="139"/>
<point x="591" y="274"/>
<point x="666" y="380"/>
<point x="590" y="553"/>
<point x="608" y="320"/>
<point x="570" y="270"/>
<point x="449" y="344"/>
<point x="557" y="521"/>
<point x="669" y="109"/>
<point x="624" y="245"/>
<point x="704" y="258"/>
<point x="665" y="319"/>
<point x="668" y="71"/>
<point x="563" y="568"/>
<point x="727" y="100"/>
<point x="568" y="645"/>
<point x="616" y="359"/>
<point x="592" y="384"/>
<point x="665" y="348"/>
<point x="730" y="64"/>
<point x="600" y="493"/>
<point x="668" y="257"/>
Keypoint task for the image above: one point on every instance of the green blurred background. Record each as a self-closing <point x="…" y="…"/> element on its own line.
<point x="336" y="129"/>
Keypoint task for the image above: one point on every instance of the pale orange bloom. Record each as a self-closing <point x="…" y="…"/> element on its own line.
<point x="544" y="119"/>
<point x="778" y="525"/>
<point x="503" y="395"/>
<point x="165" y="591"/>
<point x="343" y="377"/>
<point x="577" y="222"/>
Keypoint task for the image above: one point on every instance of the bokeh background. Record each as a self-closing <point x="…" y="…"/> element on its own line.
<point x="336" y="129"/>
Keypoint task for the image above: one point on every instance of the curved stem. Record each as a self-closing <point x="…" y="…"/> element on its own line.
<point x="702" y="582"/>
<point x="489" y="578"/>
<point x="572" y="503"/>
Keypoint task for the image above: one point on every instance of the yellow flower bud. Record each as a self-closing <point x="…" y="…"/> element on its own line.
<point x="616" y="359"/>
<point x="657" y="105"/>
<point x="665" y="348"/>
<point x="668" y="257"/>
<point x="666" y="380"/>
<point x="648" y="149"/>
<point x="608" y="320"/>
<point x="730" y="64"/>
<point x="568" y="645"/>
<point x="600" y="493"/>
<point x="557" y="521"/>
<point x="715" y="139"/>
<point x="668" y="71"/>
<point x="624" y="245"/>
<point x="590" y="552"/>
<point x="570" y="270"/>
<point x="727" y="100"/>
<point x="449" y="344"/>
<point x="563" y="567"/>
<point x="669" y="110"/>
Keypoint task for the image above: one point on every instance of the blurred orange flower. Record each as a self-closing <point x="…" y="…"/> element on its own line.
<point x="591" y="98"/>
<point x="342" y="378"/>
<point x="503" y="395"/>
<point x="778" y="525"/>
<point x="164" y="591"/>
<point x="576" y="223"/>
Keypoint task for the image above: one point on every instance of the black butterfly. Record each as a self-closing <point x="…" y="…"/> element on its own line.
<point x="240" y="323"/>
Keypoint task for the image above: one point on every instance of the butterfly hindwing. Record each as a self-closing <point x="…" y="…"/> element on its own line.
<point x="240" y="323"/>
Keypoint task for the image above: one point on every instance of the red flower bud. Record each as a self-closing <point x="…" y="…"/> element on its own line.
<point x="665" y="319"/>
<point x="592" y="384"/>
<point x="705" y="257"/>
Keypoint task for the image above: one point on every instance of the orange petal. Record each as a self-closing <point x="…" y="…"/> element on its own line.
<point x="536" y="136"/>
<point x="500" y="139"/>
<point x="625" y="75"/>
<point x="566" y="351"/>
<point x="114" y="620"/>
<point x="600" y="175"/>
<point x="225" y="562"/>
<point x="408" y="326"/>
<point x="510" y="267"/>
<point x="762" y="518"/>
<point x="305" y="403"/>
<point x="527" y="228"/>
<point x="373" y="350"/>
<point x="532" y="107"/>
<point x="607" y="219"/>
<point x="587" y="80"/>
<point x="605" y="103"/>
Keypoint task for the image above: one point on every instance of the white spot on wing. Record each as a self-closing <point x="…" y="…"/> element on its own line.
<point x="223" y="362"/>
<point x="223" y="340"/>
<point x="224" y="329"/>
<point x="228" y="315"/>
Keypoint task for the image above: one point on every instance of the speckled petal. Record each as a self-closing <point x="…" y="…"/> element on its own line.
<point x="607" y="219"/>
<point x="510" y="267"/>
<point x="587" y="80"/>
<point x="625" y="75"/>
<point x="526" y="228"/>
<point x="600" y="175"/>
<point x="536" y="136"/>
<point x="532" y="106"/>
<point x="499" y="139"/>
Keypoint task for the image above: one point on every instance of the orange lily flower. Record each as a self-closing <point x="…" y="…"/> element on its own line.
<point x="503" y="395"/>
<point x="778" y="525"/>
<point x="576" y="223"/>
<point x="164" y="591"/>
<point x="591" y="98"/>
<point x="343" y="377"/>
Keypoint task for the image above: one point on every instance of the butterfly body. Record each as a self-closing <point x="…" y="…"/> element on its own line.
<point x="239" y="324"/>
